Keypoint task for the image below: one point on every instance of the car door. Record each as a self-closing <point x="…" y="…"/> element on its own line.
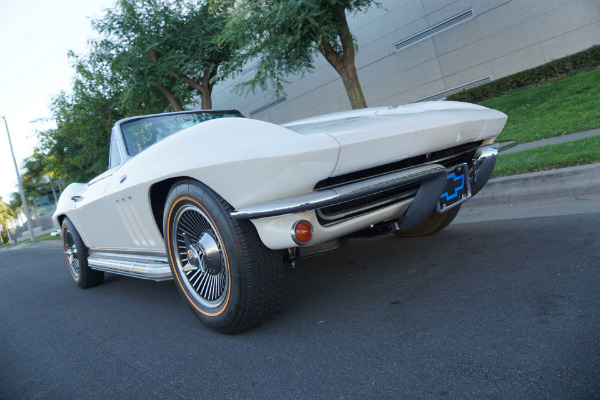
<point x="89" y="210"/>
<point x="131" y="218"/>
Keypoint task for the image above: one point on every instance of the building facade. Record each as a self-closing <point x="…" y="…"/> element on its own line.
<point x="414" y="50"/>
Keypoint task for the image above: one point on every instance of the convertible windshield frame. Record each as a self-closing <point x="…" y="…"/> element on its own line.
<point x="139" y="133"/>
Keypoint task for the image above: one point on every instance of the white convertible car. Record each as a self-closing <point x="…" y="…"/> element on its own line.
<point x="219" y="202"/>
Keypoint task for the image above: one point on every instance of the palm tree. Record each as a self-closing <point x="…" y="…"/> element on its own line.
<point x="16" y="206"/>
<point x="6" y="214"/>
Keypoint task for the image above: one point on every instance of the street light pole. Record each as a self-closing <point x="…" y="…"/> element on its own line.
<point x="23" y="199"/>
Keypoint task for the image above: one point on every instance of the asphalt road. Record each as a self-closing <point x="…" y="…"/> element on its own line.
<point x="503" y="308"/>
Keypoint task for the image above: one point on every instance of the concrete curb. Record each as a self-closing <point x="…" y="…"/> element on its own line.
<point x="580" y="181"/>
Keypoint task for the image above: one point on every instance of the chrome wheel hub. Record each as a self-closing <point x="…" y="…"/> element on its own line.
<point x="193" y="259"/>
<point x="211" y="255"/>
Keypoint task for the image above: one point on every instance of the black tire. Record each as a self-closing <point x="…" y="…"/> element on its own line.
<point x="76" y="254"/>
<point x="432" y="224"/>
<point x="229" y="279"/>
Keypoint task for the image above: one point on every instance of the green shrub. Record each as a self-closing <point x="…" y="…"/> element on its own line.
<point x="586" y="60"/>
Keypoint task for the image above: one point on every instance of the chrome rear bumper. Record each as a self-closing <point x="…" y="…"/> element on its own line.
<point x="483" y="166"/>
<point x="431" y="177"/>
<point x="400" y="199"/>
<point x="341" y="194"/>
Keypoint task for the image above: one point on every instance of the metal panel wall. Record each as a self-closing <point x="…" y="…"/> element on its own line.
<point x="502" y="37"/>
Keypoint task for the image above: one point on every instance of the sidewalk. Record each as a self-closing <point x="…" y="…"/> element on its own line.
<point x="555" y="140"/>
<point x="582" y="181"/>
<point x="557" y="192"/>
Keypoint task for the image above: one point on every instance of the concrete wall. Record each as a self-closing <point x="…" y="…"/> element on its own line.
<point x="502" y="37"/>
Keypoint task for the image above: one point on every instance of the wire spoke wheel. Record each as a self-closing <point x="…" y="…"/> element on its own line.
<point x="76" y="254"/>
<point x="71" y="253"/>
<point x="199" y="256"/>
<point x="224" y="273"/>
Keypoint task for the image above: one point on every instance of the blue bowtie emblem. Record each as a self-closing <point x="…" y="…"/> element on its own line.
<point x="458" y="183"/>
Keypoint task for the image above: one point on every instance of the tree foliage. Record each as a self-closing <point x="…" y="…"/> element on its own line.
<point x="35" y="181"/>
<point x="77" y="149"/>
<point x="156" y="55"/>
<point x="285" y="36"/>
<point x="6" y="215"/>
<point x="167" y="45"/>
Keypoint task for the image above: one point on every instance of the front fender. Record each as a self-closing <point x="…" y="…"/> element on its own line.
<point x="245" y="161"/>
<point x="65" y="204"/>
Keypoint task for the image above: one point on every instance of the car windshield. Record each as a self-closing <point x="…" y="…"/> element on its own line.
<point x="144" y="132"/>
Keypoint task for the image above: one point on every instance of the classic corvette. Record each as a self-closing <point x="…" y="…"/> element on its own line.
<point x="219" y="202"/>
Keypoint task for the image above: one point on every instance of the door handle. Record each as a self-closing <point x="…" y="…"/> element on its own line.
<point x="77" y="198"/>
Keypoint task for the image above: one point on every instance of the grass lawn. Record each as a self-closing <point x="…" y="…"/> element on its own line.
<point x="37" y="239"/>
<point x="578" y="152"/>
<point x="554" y="109"/>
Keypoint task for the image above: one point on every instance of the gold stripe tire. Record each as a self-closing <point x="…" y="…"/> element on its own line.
<point x="76" y="254"/>
<point x="222" y="270"/>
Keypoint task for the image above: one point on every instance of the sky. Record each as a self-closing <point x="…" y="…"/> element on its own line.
<point x="35" y="36"/>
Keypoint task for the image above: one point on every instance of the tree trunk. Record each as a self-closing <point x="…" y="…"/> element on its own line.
<point x="207" y="93"/>
<point x="170" y="97"/>
<point x="347" y="72"/>
<point x="204" y="89"/>
<point x="206" y="102"/>
<point x="344" y="63"/>
<point x="109" y="123"/>
<point x="54" y="194"/>
<point x="353" y="88"/>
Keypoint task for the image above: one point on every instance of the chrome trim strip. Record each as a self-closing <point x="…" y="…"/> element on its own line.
<point x="131" y="257"/>
<point x="145" y="267"/>
<point x="340" y="194"/>
<point x="120" y="253"/>
<point x="404" y="203"/>
<point x="368" y="207"/>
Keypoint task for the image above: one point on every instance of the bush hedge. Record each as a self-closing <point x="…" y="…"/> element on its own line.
<point x="560" y="68"/>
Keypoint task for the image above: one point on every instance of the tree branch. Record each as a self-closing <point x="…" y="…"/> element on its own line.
<point x="343" y="30"/>
<point x="330" y="54"/>
<point x="203" y="88"/>
<point x="169" y="95"/>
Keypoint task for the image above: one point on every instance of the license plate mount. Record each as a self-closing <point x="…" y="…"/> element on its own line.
<point x="457" y="190"/>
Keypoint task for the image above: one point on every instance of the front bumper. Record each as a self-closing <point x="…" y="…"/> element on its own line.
<point x="386" y="198"/>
